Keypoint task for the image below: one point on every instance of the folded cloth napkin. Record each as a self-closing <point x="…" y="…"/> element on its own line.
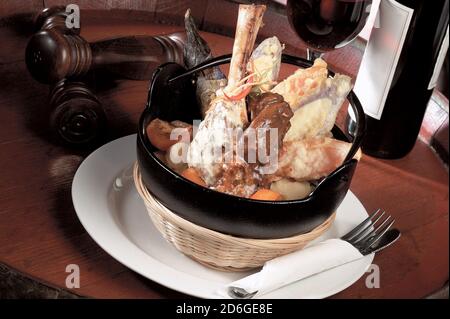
<point x="298" y="265"/>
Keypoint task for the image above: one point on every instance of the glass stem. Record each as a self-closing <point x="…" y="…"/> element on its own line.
<point x="312" y="55"/>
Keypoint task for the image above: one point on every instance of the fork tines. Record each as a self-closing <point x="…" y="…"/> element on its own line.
<point x="366" y="234"/>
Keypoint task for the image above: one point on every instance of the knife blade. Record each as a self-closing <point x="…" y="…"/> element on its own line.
<point x="390" y="237"/>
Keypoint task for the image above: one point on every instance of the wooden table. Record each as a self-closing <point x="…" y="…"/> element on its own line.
<point x="40" y="233"/>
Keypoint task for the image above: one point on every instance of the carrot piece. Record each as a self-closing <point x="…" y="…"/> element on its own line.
<point x="159" y="133"/>
<point x="192" y="175"/>
<point x="266" y="194"/>
<point x="242" y="94"/>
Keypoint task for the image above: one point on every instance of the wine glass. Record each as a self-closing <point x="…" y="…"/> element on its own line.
<point x="324" y="25"/>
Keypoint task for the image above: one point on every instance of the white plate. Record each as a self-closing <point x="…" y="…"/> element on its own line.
<point x="111" y="211"/>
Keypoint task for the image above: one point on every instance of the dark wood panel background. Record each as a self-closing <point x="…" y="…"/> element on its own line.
<point x="217" y="16"/>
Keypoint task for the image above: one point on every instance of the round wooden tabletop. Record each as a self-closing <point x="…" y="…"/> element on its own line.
<point x="40" y="233"/>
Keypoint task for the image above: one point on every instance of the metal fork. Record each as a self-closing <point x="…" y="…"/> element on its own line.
<point x="363" y="237"/>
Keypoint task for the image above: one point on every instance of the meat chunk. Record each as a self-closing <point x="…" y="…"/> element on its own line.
<point x="266" y="132"/>
<point x="257" y="103"/>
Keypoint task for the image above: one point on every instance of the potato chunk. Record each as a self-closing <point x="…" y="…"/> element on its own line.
<point x="291" y="190"/>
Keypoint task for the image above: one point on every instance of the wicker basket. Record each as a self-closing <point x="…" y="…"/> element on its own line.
<point x="217" y="250"/>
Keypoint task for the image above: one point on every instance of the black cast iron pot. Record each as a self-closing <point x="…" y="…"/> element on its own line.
<point x="172" y="97"/>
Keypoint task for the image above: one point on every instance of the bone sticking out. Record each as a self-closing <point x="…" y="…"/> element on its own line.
<point x="206" y="150"/>
<point x="248" y="24"/>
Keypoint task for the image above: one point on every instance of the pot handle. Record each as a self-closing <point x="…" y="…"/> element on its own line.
<point x="360" y="130"/>
<point x="223" y="59"/>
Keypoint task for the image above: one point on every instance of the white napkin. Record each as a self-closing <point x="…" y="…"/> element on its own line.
<point x="298" y="265"/>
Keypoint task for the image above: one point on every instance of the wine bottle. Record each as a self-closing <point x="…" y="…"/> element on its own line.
<point x="398" y="72"/>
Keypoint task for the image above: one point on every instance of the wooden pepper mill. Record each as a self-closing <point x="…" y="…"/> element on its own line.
<point x="54" y="18"/>
<point x="52" y="55"/>
<point x="76" y="116"/>
<point x="59" y="56"/>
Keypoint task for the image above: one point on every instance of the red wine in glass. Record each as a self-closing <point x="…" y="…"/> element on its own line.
<point x="326" y="25"/>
